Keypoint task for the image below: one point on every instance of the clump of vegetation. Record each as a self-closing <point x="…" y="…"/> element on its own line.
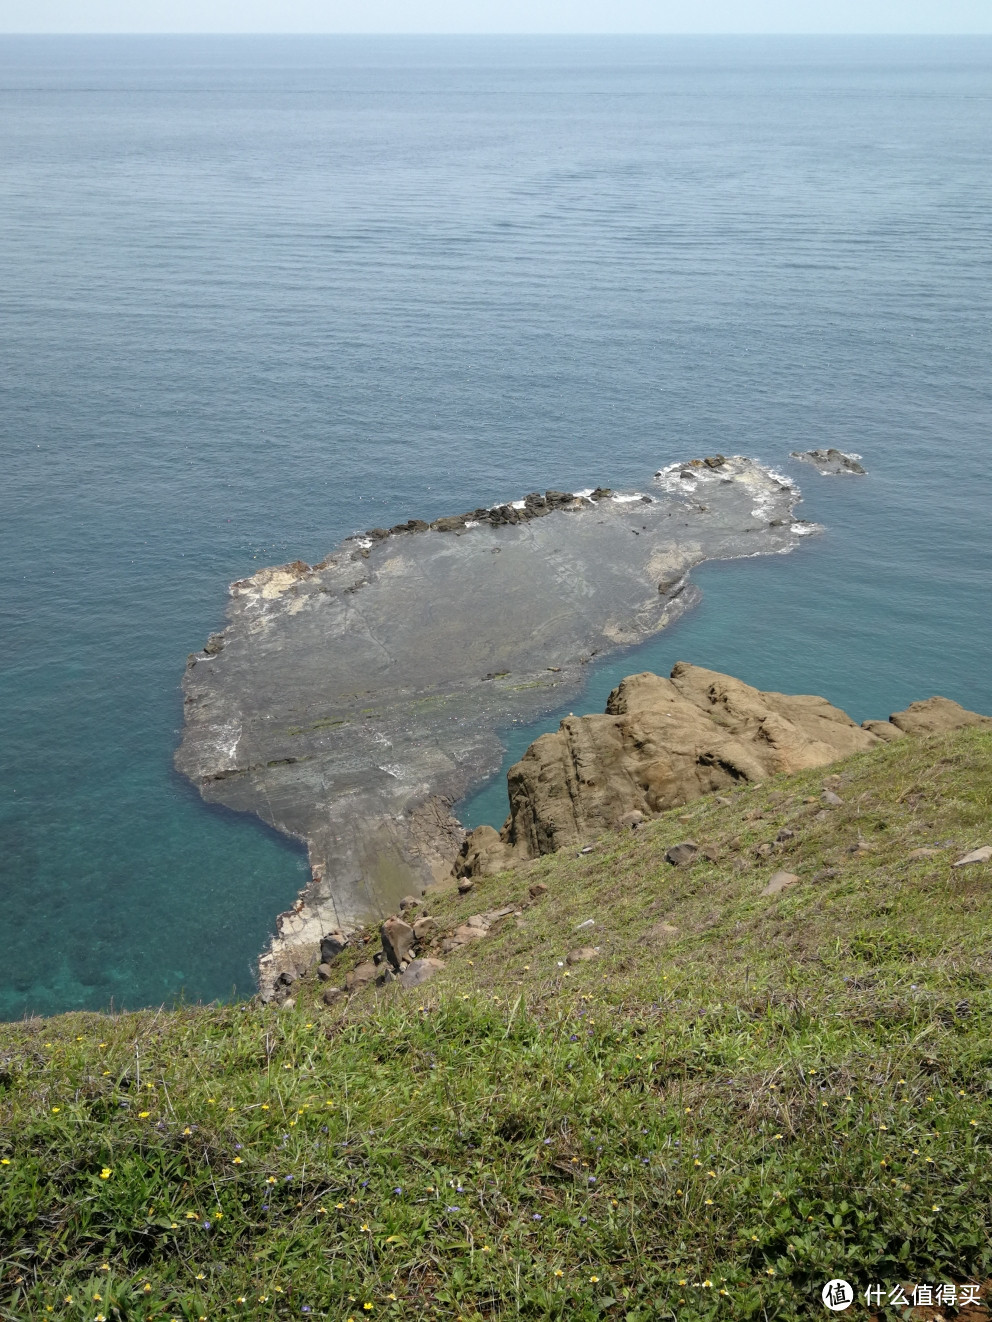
<point x="740" y="1097"/>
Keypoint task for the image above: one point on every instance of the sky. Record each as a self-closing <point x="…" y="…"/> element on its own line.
<point x="498" y="16"/>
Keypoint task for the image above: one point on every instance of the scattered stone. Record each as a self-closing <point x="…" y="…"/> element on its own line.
<point x="581" y="954"/>
<point x="662" y="932"/>
<point x="325" y="972"/>
<point x="463" y="935"/>
<point x="916" y="855"/>
<point x="419" y="971"/>
<point x="331" y="994"/>
<point x="465" y="885"/>
<point x="833" y="799"/>
<point x="982" y="855"/>
<point x="397" y="940"/>
<point x="423" y="927"/>
<point x="537" y="890"/>
<point x="825" y="874"/>
<point x="764" y="849"/>
<point x="680" y="855"/>
<point x="387" y="975"/>
<point x="632" y="820"/>
<point x="783" y="835"/>
<point x="287" y="977"/>
<point x="288" y="1003"/>
<point x="723" y="801"/>
<point x="331" y="945"/>
<point x="360" y="976"/>
<point x="589" y="922"/>
<point x="409" y="902"/>
<point x="587" y="849"/>
<point x="821" y="816"/>
<point x="779" y="881"/>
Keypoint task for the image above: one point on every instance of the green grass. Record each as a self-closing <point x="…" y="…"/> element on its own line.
<point x="704" y="1125"/>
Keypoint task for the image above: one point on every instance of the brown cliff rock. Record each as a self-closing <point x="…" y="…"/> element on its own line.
<point x="936" y="716"/>
<point x="664" y="742"/>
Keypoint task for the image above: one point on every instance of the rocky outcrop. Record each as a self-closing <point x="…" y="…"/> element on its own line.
<point x="664" y="742"/>
<point x="351" y="703"/>
<point x="831" y="463"/>
<point x="936" y="716"/>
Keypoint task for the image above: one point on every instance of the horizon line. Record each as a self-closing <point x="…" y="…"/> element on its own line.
<point x="274" y="32"/>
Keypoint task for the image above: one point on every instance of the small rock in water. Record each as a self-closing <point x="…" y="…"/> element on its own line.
<point x="831" y="462"/>
<point x="983" y="855"/>
<point x="778" y="882"/>
<point x="680" y="855"/>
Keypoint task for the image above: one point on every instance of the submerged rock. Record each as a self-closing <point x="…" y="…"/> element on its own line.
<point x="831" y="463"/>
<point x="351" y="703"/>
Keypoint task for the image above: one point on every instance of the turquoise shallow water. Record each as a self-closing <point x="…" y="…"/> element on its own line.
<point x="260" y="293"/>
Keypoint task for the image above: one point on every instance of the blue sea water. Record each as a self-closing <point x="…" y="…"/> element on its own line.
<point x="258" y="293"/>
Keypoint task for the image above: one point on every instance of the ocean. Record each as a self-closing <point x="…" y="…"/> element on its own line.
<point x="260" y="293"/>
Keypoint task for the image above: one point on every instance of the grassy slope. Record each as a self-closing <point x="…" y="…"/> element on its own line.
<point x="711" y="1125"/>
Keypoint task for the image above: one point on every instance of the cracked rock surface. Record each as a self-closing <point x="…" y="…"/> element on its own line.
<point x="351" y="703"/>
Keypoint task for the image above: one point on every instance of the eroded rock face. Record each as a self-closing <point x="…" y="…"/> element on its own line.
<point x="662" y="743"/>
